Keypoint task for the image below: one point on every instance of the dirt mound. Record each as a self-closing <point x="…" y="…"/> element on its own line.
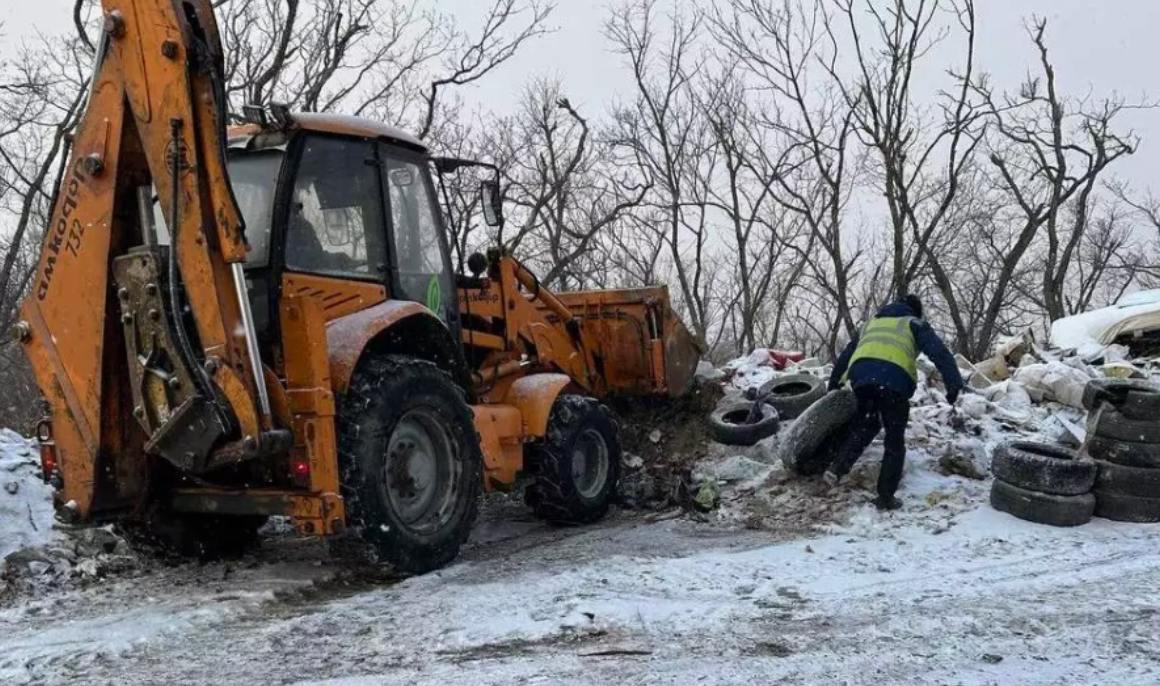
<point x="662" y="439"/>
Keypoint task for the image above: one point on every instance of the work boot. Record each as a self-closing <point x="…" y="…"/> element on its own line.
<point x="887" y="503"/>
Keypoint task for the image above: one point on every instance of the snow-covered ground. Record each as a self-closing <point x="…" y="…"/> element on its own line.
<point x="785" y="582"/>
<point x="882" y="599"/>
<point x="25" y="500"/>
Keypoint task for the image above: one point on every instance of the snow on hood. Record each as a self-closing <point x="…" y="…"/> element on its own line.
<point x="1089" y="331"/>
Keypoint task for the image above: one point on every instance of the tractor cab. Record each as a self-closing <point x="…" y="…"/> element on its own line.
<point x="342" y="209"/>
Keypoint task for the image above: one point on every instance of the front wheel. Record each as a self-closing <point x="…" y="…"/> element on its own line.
<point x="576" y="466"/>
<point x="411" y="462"/>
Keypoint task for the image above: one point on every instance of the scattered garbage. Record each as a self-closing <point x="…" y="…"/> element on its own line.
<point x="1023" y="390"/>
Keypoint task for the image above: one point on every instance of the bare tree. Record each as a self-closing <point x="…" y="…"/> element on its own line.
<point x="919" y="158"/>
<point x="42" y="92"/>
<point x="386" y="59"/>
<point x="808" y="124"/>
<point x="563" y="186"/>
<point x="662" y="132"/>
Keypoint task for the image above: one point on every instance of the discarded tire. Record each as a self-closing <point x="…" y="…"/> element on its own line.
<point x="1042" y="508"/>
<point x="809" y="431"/>
<point x="1044" y="468"/>
<point x="1127" y="453"/>
<point x="1142" y="399"/>
<point x="729" y="423"/>
<point x="1134" y="481"/>
<point x="816" y="462"/>
<point x="1117" y="426"/>
<point x="1126" y="508"/>
<point x="1127" y="493"/>
<point x="792" y="395"/>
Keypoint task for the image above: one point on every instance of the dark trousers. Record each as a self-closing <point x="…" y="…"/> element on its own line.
<point x="878" y="409"/>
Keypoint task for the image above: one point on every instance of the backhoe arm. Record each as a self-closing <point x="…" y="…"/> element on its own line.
<point x="161" y="357"/>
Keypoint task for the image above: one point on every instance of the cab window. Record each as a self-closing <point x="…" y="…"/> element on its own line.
<point x="423" y="270"/>
<point x="335" y="222"/>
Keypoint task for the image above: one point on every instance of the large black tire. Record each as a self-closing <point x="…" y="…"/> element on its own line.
<point x="792" y="395"/>
<point x="576" y="466"/>
<point x="825" y="418"/>
<point x="1118" y="427"/>
<point x="1042" y="508"/>
<point x="1127" y="453"/>
<point x="1134" y="481"/>
<point x="411" y="462"/>
<point x="1044" y="468"/>
<point x="728" y="424"/>
<point x="1126" y="508"/>
<point x="1142" y="398"/>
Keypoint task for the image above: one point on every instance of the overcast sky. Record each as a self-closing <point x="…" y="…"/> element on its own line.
<point x="1099" y="46"/>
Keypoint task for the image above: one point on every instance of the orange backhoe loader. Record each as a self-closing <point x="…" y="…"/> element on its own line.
<point x="232" y="325"/>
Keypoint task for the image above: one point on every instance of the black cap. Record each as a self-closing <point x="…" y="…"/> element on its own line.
<point x="914" y="303"/>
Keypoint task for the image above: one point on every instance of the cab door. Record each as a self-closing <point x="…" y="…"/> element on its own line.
<point x="335" y="247"/>
<point x="420" y="260"/>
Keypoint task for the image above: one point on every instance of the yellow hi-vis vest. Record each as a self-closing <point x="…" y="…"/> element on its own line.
<point x="889" y="339"/>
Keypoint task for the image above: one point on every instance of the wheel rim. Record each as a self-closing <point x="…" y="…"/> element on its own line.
<point x="589" y="463"/>
<point x="421" y="471"/>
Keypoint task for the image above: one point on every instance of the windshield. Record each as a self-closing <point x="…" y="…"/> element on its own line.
<point x="254" y="176"/>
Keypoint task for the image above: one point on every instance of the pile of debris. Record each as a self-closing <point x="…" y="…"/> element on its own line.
<point x="1023" y="391"/>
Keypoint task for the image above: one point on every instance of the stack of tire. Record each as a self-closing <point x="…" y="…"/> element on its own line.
<point x="1043" y="483"/>
<point x="747" y="420"/>
<point x="1125" y="443"/>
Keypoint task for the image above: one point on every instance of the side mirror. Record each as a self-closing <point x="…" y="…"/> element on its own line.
<point x="492" y="202"/>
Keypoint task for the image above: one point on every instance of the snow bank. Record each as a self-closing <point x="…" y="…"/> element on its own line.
<point x="34" y="552"/>
<point x="26" y="515"/>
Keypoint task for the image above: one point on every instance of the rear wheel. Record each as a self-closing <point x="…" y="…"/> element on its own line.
<point x="576" y="466"/>
<point x="411" y="462"/>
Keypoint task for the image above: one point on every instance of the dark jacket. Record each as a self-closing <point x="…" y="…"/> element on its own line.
<point x="870" y="372"/>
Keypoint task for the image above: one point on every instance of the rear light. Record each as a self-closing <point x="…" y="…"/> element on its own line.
<point x="300" y="470"/>
<point x="48" y="466"/>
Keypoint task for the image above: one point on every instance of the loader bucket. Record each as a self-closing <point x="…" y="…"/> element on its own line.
<point x="640" y="345"/>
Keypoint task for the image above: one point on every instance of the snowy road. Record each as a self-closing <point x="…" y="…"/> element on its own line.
<point x="992" y="600"/>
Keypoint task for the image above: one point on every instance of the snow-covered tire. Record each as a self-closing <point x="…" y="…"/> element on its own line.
<point x="1044" y="468"/>
<point x="1042" y="508"/>
<point x="411" y="462"/>
<point x="727" y="423"/>
<point x="1127" y="453"/>
<point x="1142" y="399"/>
<point x="1134" y="481"/>
<point x="792" y="395"/>
<point x="579" y="428"/>
<point x="1126" y="508"/>
<point x="810" y="430"/>
<point x="1118" y="427"/>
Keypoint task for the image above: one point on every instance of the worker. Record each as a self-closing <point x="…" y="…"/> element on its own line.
<point x="880" y="365"/>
